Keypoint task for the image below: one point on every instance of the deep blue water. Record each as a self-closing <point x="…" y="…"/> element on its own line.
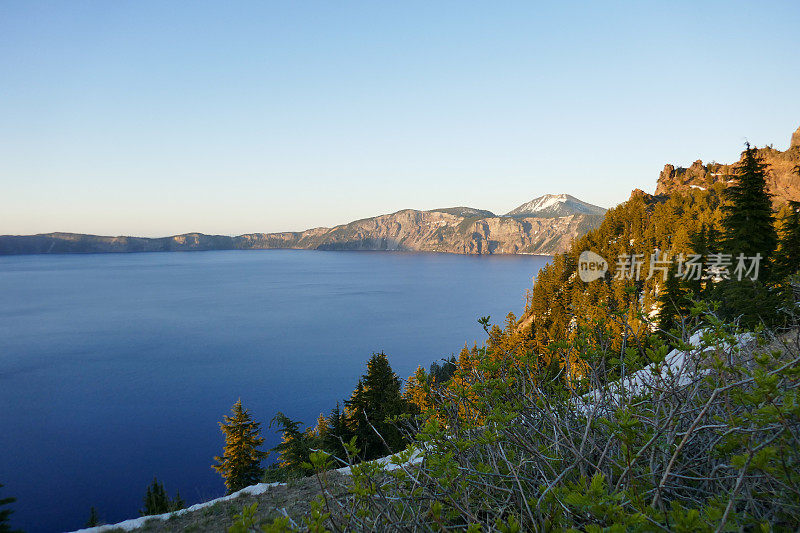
<point x="117" y="367"/>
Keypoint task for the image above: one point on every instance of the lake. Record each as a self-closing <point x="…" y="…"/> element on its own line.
<point x="115" y="368"/>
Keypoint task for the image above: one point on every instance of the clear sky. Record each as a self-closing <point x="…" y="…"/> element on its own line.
<point x="156" y="118"/>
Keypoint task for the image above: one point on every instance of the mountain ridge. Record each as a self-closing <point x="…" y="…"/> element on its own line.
<point x="461" y="230"/>
<point x="555" y="205"/>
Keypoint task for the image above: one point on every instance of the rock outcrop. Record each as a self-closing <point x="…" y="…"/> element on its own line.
<point x="783" y="173"/>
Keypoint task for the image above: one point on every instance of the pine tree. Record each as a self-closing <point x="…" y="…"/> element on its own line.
<point x="701" y="245"/>
<point x="377" y="398"/>
<point x="749" y="227"/>
<point x="240" y="463"/>
<point x="94" y="520"/>
<point x="157" y="501"/>
<point x="5" y="514"/>
<point x="355" y="407"/>
<point x="295" y="446"/>
<point x="337" y="434"/>
<point x="673" y="303"/>
<point x="787" y="258"/>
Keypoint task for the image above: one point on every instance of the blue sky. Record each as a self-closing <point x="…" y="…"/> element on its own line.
<point x="155" y="118"/>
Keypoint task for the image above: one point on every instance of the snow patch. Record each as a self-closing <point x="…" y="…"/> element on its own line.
<point x="678" y="368"/>
<point x="556" y="204"/>
<point x="390" y="462"/>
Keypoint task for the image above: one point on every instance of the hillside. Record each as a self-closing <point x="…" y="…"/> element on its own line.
<point x="460" y="230"/>
<point x="546" y="423"/>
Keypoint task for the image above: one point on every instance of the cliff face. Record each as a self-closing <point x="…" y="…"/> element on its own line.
<point x="439" y="231"/>
<point x="545" y="226"/>
<point x="783" y="177"/>
<point x="407" y="230"/>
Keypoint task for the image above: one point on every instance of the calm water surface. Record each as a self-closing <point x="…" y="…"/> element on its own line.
<point x="117" y="367"/>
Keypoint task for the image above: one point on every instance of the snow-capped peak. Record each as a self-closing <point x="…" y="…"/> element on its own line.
<point x="555" y="205"/>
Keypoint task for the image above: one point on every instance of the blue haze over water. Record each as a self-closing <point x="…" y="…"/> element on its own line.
<point x="115" y="368"/>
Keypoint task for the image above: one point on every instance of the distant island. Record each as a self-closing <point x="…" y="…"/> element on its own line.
<point x="545" y="225"/>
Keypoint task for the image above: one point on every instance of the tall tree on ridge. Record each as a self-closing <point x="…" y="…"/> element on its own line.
<point x="749" y="226"/>
<point x="749" y="229"/>
<point x="240" y="463"/>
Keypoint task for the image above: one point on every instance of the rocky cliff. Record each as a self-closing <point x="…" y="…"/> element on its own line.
<point x="783" y="173"/>
<point x="459" y="230"/>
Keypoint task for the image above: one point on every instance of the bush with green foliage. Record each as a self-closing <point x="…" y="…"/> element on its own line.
<point x="710" y="445"/>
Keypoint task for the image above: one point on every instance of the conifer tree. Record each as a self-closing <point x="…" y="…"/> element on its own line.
<point x="705" y="242"/>
<point x="337" y="433"/>
<point x="5" y="515"/>
<point x="240" y="463"/>
<point x="787" y="258"/>
<point x="322" y="427"/>
<point x="94" y="520"/>
<point x="157" y="501"/>
<point x="377" y="398"/>
<point x="673" y="303"/>
<point x="748" y="224"/>
<point x="749" y="229"/>
<point x="355" y="407"/>
<point x="295" y="446"/>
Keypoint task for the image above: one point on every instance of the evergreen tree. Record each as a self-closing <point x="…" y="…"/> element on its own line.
<point x="748" y="224"/>
<point x="240" y="463"/>
<point x="749" y="229"/>
<point x="787" y="258"/>
<point x="337" y="434"/>
<point x="442" y="373"/>
<point x="377" y="398"/>
<point x="701" y="243"/>
<point x="673" y="302"/>
<point x="355" y="407"/>
<point x="94" y="520"/>
<point x="5" y="514"/>
<point x="295" y="446"/>
<point x="157" y="501"/>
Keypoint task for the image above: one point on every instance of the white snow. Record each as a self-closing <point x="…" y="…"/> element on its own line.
<point x="678" y="368"/>
<point x="555" y="204"/>
<point x="390" y="462"/>
<point x="697" y="187"/>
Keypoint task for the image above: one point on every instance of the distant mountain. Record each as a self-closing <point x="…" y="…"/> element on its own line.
<point x="465" y="212"/>
<point x="783" y="173"/>
<point x="461" y="230"/>
<point x="555" y="205"/>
